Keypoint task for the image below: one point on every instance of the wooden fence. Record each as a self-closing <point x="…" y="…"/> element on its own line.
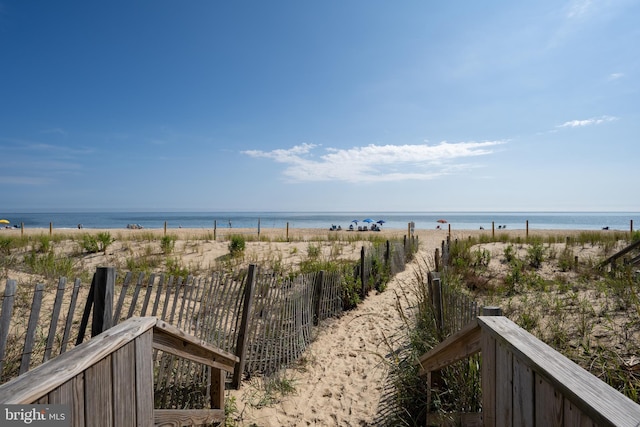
<point x="108" y="381"/>
<point x="264" y="319"/>
<point x="527" y="383"/>
<point x="452" y="310"/>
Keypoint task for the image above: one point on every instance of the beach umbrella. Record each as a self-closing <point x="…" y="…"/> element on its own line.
<point x="4" y="221"/>
<point x="382" y="221"/>
<point x="355" y="220"/>
<point x="442" y="221"/>
<point x="367" y="220"/>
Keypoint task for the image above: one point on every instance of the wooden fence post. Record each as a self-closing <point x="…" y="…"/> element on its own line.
<point x="527" y="233"/>
<point x="436" y="257"/>
<point x="493" y="229"/>
<point x="87" y="311"/>
<point x="103" y="300"/>
<point x="21" y="229"/>
<point x="215" y="229"/>
<point x="491" y="311"/>
<point x="7" y="310"/>
<point x="50" y="228"/>
<point x="241" y="345"/>
<point x="317" y="287"/>
<point x="631" y="226"/>
<point x="362" y="275"/>
<point x="387" y="254"/>
<point x="437" y="304"/>
<point x="31" y="328"/>
<point x="287" y="231"/>
<point x="165" y="228"/>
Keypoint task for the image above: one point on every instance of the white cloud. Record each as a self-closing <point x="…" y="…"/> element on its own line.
<point x="375" y="163"/>
<point x="587" y="122"/>
<point x="615" y="76"/>
<point x="579" y="8"/>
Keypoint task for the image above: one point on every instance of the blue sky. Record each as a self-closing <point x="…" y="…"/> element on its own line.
<point x="330" y="105"/>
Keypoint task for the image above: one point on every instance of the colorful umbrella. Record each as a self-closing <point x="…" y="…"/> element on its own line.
<point x="4" y="221"/>
<point x="442" y="221"/>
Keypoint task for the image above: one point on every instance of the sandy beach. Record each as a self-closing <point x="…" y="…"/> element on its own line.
<point x="341" y="379"/>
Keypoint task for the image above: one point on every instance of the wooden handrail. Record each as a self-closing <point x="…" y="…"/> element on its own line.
<point x="36" y="383"/>
<point x="111" y="377"/>
<point x="172" y="340"/>
<point x="458" y="346"/>
<point x="595" y="398"/>
<point x="525" y="380"/>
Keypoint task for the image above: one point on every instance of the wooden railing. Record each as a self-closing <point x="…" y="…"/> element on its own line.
<point x="526" y="382"/>
<point x="108" y="381"/>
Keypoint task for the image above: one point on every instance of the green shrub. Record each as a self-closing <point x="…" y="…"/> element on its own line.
<point x="167" y="244"/>
<point x="104" y="241"/>
<point x="535" y="255"/>
<point x="236" y="245"/>
<point x="90" y="244"/>
<point x="45" y="243"/>
<point x="509" y="254"/>
<point x="99" y="243"/>
<point x="313" y="251"/>
<point x="6" y="243"/>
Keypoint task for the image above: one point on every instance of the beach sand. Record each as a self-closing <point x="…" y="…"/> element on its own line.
<point x="342" y="376"/>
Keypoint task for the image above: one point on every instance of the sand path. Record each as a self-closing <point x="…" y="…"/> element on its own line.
<point x="342" y="379"/>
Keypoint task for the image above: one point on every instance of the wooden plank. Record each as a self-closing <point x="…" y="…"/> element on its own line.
<point x="123" y="366"/>
<point x="66" y="335"/>
<point x="218" y="377"/>
<point x="5" y="320"/>
<point x="175" y="300"/>
<point x="98" y="389"/>
<point x="187" y="417"/>
<point x="574" y="417"/>
<point x="54" y="318"/>
<point x="488" y="376"/>
<point x="87" y="311"/>
<point x="241" y="346"/>
<point x="504" y="386"/>
<point x="31" y="328"/>
<point x="548" y="404"/>
<point x="156" y="303"/>
<point x="147" y="296"/>
<point x="172" y="340"/>
<point x="523" y="396"/>
<point x="167" y="297"/>
<point x="71" y="393"/>
<point x="41" y="380"/>
<point x="144" y="379"/>
<point x="103" y="300"/>
<point x="456" y="347"/>
<point x="603" y="404"/>
<point x="136" y="293"/>
<point x="123" y="294"/>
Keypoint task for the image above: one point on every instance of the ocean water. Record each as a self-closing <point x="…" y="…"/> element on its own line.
<point x="393" y="220"/>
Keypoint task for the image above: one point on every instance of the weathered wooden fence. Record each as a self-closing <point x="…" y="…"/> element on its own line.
<point x="452" y="309"/>
<point x="265" y="319"/>
<point x="527" y="383"/>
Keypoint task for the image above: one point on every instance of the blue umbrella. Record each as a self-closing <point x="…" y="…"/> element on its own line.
<point x="381" y="221"/>
<point x="367" y="220"/>
<point x="355" y="220"/>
